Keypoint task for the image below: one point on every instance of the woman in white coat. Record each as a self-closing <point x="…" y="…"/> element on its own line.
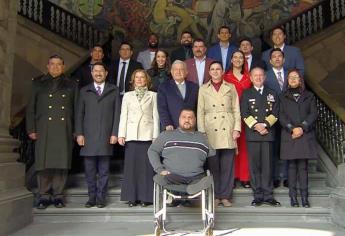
<point x="219" y="118"/>
<point x="139" y="125"/>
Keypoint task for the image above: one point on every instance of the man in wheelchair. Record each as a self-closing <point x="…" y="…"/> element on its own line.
<point x="178" y="156"/>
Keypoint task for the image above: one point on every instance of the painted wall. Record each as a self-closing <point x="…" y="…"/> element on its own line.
<point x="134" y="19"/>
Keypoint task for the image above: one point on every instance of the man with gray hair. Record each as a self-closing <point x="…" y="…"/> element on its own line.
<point x="176" y="94"/>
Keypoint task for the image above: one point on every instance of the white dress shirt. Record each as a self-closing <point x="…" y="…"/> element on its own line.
<point x="99" y="85"/>
<point x="119" y="73"/>
<point x="200" y="69"/>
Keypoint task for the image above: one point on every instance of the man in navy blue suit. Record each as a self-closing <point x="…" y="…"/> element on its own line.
<point x="223" y="50"/>
<point x="174" y="95"/>
<point x="293" y="56"/>
<point x="276" y="79"/>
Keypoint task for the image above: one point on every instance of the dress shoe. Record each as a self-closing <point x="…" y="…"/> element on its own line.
<point x="305" y="202"/>
<point x="132" y="204"/>
<point x="100" y="204"/>
<point x="226" y="203"/>
<point x="245" y="184"/>
<point x="216" y="202"/>
<point x="43" y="204"/>
<point x="272" y="202"/>
<point x="294" y="202"/>
<point x="276" y="183"/>
<point x="58" y="203"/>
<point x="286" y="183"/>
<point x="89" y="204"/>
<point x="145" y="204"/>
<point x="256" y="202"/>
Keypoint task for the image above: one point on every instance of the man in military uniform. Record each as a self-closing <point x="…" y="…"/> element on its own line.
<point x="259" y="110"/>
<point x="49" y="118"/>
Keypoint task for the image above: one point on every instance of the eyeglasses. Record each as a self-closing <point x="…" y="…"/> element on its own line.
<point x="294" y="77"/>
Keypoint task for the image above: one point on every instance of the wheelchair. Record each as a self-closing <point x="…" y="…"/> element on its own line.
<point x="205" y="193"/>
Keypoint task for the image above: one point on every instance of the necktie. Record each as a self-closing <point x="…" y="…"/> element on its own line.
<point x="99" y="91"/>
<point x="259" y="91"/>
<point x="280" y="80"/>
<point x="181" y="88"/>
<point x="122" y="77"/>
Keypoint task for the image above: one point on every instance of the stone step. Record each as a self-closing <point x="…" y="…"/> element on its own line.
<point x="316" y="179"/>
<point x="119" y="212"/>
<point x="318" y="196"/>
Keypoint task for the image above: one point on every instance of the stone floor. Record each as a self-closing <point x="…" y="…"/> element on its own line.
<point x="145" y="229"/>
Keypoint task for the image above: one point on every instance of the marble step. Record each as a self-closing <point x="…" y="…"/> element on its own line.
<point x="119" y="212"/>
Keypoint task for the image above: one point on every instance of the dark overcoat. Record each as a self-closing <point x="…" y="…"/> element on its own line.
<point x="170" y="101"/>
<point x="257" y="108"/>
<point x="98" y="119"/>
<point x="298" y="114"/>
<point x="50" y="114"/>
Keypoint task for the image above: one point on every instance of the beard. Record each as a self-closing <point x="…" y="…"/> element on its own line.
<point x="153" y="45"/>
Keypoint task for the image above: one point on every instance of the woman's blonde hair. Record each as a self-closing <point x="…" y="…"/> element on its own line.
<point x="148" y="78"/>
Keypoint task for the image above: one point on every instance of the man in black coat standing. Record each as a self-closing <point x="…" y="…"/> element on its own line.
<point x="122" y="68"/>
<point x="96" y="128"/>
<point x="185" y="51"/>
<point x="259" y="110"/>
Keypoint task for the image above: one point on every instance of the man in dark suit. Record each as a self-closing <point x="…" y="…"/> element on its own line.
<point x="223" y="50"/>
<point x="246" y="46"/>
<point x="198" y="66"/>
<point x="121" y="69"/>
<point x="49" y="122"/>
<point x="185" y="50"/>
<point x="293" y="55"/>
<point x="174" y="95"/>
<point x="97" y="130"/>
<point x="83" y="74"/>
<point x="276" y="79"/>
<point x="259" y="110"/>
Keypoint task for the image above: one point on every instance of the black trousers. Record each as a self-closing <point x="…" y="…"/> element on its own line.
<point x="279" y="167"/>
<point x="222" y="168"/>
<point x="97" y="165"/>
<point x="51" y="183"/>
<point x="260" y="165"/>
<point x="298" y="171"/>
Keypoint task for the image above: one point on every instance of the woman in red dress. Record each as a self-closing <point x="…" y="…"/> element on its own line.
<point x="239" y="76"/>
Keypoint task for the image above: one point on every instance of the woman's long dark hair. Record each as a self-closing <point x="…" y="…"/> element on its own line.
<point x="244" y="61"/>
<point x="301" y="80"/>
<point x="154" y="66"/>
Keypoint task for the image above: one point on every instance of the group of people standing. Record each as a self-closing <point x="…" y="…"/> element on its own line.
<point x="253" y="111"/>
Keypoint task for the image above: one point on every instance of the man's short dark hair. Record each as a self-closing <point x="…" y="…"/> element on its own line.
<point x="97" y="46"/>
<point x="186" y="32"/>
<point x="198" y="40"/>
<point x="280" y="28"/>
<point x="186" y="108"/>
<point x="247" y="40"/>
<point x="276" y="50"/>
<point x="127" y="43"/>
<point x="100" y="64"/>
<point x="56" y="56"/>
<point x="224" y="27"/>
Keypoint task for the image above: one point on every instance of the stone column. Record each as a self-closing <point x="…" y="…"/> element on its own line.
<point x="15" y="200"/>
<point x="338" y="198"/>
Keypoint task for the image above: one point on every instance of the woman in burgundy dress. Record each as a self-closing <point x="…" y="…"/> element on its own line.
<point x="239" y="76"/>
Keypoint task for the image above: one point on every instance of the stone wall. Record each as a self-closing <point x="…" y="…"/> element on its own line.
<point x="15" y="200"/>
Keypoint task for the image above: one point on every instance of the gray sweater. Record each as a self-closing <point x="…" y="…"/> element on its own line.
<point x="183" y="153"/>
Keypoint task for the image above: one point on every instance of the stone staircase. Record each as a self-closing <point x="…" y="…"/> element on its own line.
<point x="117" y="211"/>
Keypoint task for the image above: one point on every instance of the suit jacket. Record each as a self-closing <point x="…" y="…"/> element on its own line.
<point x="171" y="102"/>
<point x="215" y="53"/>
<point x="293" y="58"/>
<point x="98" y="119"/>
<point x="192" y="71"/>
<point x="219" y="114"/>
<point x="139" y="121"/>
<point x="272" y="81"/>
<point x="144" y="57"/>
<point x="180" y="54"/>
<point x="114" y="71"/>
<point x="257" y="108"/>
<point x="257" y="62"/>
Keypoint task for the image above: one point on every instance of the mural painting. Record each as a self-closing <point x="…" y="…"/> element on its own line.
<point x="133" y="20"/>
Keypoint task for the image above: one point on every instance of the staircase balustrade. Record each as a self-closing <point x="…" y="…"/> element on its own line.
<point x="61" y="22"/>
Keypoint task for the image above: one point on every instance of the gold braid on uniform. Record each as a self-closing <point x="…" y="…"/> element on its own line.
<point x="250" y="121"/>
<point x="271" y="119"/>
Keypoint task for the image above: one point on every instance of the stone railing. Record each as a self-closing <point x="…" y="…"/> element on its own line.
<point x="314" y="20"/>
<point x="61" y="22"/>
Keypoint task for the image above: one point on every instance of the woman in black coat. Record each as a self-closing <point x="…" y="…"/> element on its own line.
<point x="160" y="70"/>
<point x="298" y="114"/>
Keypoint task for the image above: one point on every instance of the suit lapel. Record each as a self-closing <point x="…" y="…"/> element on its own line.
<point x="176" y="90"/>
